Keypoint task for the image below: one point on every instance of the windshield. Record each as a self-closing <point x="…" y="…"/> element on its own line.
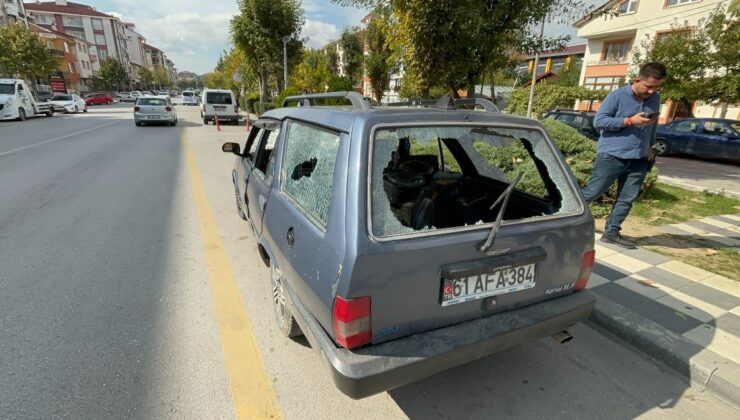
<point x="152" y="102"/>
<point x="218" y="98"/>
<point x="7" y="89"/>
<point x="187" y="94"/>
<point x="61" y="98"/>
<point x="430" y="178"/>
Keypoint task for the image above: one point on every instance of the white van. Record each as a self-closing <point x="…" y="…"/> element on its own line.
<point x="221" y="103"/>
<point x="189" y="98"/>
<point x="17" y="101"/>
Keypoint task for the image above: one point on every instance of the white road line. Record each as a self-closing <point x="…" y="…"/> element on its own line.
<point x="57" y="138"/>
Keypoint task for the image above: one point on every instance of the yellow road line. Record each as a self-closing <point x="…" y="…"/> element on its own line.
<point x="250" y="388"/>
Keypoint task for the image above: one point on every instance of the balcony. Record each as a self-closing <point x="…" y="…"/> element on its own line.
<point x="56" y="53"/>
<point x="608" y="62"/>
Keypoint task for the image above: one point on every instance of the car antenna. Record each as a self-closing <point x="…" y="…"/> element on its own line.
<point x="500" y="215"/>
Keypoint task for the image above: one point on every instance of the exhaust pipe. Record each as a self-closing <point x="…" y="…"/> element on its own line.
<point x="562" y="337"/>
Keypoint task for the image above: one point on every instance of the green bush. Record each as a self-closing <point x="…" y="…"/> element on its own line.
<point x="250" y="100"/>
<point x="290" y="91"/>
<point x="262" y="107"/>
<point x="548" y="97"/>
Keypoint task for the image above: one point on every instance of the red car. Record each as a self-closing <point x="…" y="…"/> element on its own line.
<point x="98" y="99"/>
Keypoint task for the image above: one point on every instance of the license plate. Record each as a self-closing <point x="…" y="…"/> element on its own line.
<point x="155" y="117"/>
<point x="219" y="108"/>
<point x="498" y="281"/>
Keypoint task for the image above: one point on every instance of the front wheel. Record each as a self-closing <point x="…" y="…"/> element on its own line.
<point x="21" y="114"/>
<point x="284" y="318"/>
<point x="77" y="109"/>
<point x="660" y="147"/>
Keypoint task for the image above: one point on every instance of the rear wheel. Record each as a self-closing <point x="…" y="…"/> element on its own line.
<point x="50" y="112"/>
<point x="284" y="318"/>
<point x="205" y="121"/>
<point x="77" y="109"/>
<point x="661" y="148"/>
<point x="21" y="114"/>
<point x="138" y="124"/>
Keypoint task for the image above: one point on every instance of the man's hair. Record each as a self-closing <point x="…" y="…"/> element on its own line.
<point x="655" y="70"/>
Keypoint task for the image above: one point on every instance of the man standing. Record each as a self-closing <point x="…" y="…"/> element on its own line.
<point x="627" y="120"/>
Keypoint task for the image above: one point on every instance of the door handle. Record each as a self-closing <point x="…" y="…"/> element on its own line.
<point x="290" y="236"/>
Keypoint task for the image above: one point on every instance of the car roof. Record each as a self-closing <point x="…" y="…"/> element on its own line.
<point x="217" y="91"/>
<point x="342" y="118"/>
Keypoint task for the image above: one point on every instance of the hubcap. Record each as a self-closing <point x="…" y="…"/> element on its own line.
<point x="278" y="293"/>
<point x="660" y="147"/>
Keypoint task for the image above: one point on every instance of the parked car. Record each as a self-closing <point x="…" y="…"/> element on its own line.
<point x="98" y="99"/>
<point x="17" y="101"/>
<point x="711" y="138"/>
<point x="154" y="109"/>
<point x="136" y="94"/>
<point x="189" y="98"/>
<point x="126" y="97"/>
<point x="162" y="93"/>
<point x="68" y="103"/>
<point x="399" y="241"/>
<point x="581" y="121"/>
<point x="219" y="103"/>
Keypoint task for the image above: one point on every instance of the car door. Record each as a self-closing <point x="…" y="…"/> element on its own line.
<point x="259" y="180"/>
<point x="715" y="138"/>
<point x="25" y="99"/>
<point x="682" y="136"/>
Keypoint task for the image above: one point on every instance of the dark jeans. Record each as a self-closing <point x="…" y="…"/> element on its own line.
<point x="629" y="173"/>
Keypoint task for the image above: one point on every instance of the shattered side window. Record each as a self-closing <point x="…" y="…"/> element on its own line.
<point x="431" y="178"/>
<point x="308" y="168"/>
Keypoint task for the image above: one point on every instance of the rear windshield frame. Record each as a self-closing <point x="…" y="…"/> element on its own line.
<point x="580" y="208"/>
<point x="139" y="102"/>
<point x="219" y="95"/>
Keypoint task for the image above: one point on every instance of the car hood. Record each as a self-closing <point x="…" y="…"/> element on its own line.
<point x="4" y="97"/>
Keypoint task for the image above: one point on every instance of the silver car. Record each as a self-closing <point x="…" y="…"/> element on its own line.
<point x="152" y="109"/>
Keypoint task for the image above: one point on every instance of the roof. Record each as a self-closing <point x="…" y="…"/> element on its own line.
<point x="569" y="50"/>
<point x="599" y="11"/>
<point x="540" y="77"/>
<point x="70" y="8"/>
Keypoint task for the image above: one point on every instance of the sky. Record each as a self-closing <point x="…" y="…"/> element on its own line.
<point x="192" y="33"/>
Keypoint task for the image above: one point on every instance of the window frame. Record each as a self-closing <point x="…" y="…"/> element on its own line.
<point x="628" y="2"/>
<point x="288" y="123"/>
<point x="264" y="138"/>
<point x="605" y="49"/>
<point x="679" y="3"/>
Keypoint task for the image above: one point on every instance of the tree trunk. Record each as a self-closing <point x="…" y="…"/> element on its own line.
<point x="723" y="113"/>
<point x="263" y="86"/>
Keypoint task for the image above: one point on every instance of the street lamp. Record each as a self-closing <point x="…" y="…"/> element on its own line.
<point x="286" y="38"/>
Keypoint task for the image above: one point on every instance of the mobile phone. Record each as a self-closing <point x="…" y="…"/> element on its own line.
<point x="653" y="115"/>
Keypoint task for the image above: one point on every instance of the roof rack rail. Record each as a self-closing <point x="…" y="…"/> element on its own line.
<point x="446" y="102"/>
<point x="358" y="101"/>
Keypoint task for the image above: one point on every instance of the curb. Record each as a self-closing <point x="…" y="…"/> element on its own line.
<point x="700" y="366"/>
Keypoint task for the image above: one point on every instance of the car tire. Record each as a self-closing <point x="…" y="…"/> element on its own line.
<point x="21" y="114"/>
<point x="77" y="110"/>
<point x="660" y="147"/>
<point x="283" y="317"/>
<point x="84" y="109"/>
<point x="138" y="124"/>
<point x="205" y="121"/>
<point x="173" y="123"/>
<point x="50" y="112"/>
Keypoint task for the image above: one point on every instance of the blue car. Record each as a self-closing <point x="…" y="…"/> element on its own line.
<point x="711" y="138"/>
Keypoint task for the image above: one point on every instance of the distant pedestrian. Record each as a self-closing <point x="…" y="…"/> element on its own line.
<point x="627" y="120"/>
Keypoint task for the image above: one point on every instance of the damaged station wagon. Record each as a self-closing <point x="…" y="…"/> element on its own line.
<point x="406" y="240"/>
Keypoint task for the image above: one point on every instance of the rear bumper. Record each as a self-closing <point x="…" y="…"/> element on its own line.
<point x="369" y="370"/>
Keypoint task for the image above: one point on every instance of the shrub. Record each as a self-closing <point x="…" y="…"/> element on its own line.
<point x="262" y="107"/>
<point x="290" y="91"/>
<point x="250" y="100"/>
<point x="548" y="97"/>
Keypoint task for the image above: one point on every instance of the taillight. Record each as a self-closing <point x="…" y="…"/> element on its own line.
<point x="168" y="108"/>
<point x="236" y="109"/>
<point x="352" y="321"/>
<point x="587" y="264"/>
<point x="137" y="109"/>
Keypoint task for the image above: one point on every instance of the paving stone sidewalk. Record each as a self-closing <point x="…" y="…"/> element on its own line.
<point x="684" y="316"/>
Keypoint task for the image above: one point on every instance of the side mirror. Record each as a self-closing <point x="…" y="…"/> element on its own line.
<point x="231" y="147"/>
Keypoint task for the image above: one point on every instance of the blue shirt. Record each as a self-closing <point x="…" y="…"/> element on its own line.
<point x="625" y="142"/>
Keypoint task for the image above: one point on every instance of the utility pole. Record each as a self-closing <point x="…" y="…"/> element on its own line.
<point x="286" y="38"/>
<point x="534" y="70"/>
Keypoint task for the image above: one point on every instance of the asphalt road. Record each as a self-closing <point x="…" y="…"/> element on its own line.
<point x="115" y="244"/>
<point x="700" y="174"/>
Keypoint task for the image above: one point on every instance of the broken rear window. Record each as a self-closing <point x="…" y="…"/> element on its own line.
<point x="431" y="178"/>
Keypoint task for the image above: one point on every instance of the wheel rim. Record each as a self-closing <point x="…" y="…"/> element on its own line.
<point x="278" y="293"/>
<point x="660" y="147"/>
<point x="22" y="114"/>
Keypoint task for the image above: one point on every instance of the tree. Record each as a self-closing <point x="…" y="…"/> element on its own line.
<point x="113" y="74"/>
<point x="451" y="42"/>
<point x="312" y="73"/>
<point x="550" y="96"/>
<point x="24" y="54"/>
<point x="703" y="62"/>
<point x="258" y="31"/>
<point x="161" y="77"/>
<point x="379" y="62"/>
<point x="147" y="77"/>
<point x="352" y="59"/>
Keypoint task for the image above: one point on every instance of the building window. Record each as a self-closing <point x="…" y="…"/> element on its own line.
<point x="102" y="54"/>
<point x="97" y="24"/>
<point x="43" y="19"/>
<point x="616" y="51"/>
<point x="627" y="6"/>
<point x="72" y="21"/>
<point x="607" y="82"/>
<point x="670" y="3"/>
<point x="100" y="39"/>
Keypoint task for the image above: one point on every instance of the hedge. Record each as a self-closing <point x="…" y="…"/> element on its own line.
<point x="249" y="101"/>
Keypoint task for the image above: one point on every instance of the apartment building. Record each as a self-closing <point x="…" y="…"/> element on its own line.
<point x="74" y="70"/>
<point x="12" y="11"/>
<point x="135" y="50"/>
<point x="553" y="60"/>
<point x="618" y="27"/>
<point x="106" y="33"/>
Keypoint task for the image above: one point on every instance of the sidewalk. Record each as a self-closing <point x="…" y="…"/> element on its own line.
<point x="683" y="316"/>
